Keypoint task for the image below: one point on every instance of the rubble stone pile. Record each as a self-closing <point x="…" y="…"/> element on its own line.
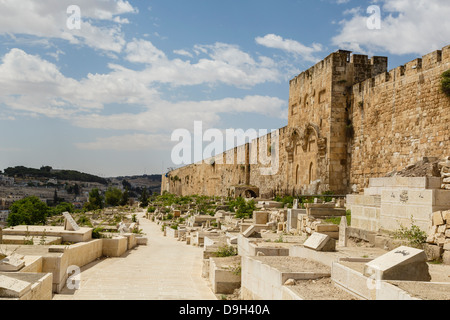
<point x="427" y="167"/>
<point x="439" y="235"/>
<point x="444" y="167"/>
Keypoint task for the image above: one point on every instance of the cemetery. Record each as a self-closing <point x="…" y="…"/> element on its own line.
<point x="36" y="261"/>
<point x="321" y="248"/>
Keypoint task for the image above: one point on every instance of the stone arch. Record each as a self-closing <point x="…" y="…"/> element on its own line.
<point x="250" y="194"/>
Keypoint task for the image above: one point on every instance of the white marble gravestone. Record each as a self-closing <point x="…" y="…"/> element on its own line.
<point x="320" y="242"/>
<point x="13" y="288"/>
<point x="12" y="263"/>
<point x="69" y="223"/>
<point x="343" y="232"/>
<point x="403" y="263"/>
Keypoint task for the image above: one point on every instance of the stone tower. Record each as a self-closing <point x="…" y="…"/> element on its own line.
<point x="318" y="127"/>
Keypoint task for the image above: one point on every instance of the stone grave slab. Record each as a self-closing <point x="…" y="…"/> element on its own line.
<point x="12" y="263"/>
<point x="343" y="232"/>
<point x="250" y="231"/>
<point x="403" y="263"/>
<point x="69" y="223"/>
<point x="320" y="242"/>
<point x="260" y="217"/>
<point x="13" y="288"/>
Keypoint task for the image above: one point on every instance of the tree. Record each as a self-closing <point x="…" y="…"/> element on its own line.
<point x="28" y="211"/>
<point x="126" y="184"/>
<point x="125" y="198"/>
<point x="113" y="196"/>
<point x="144" y="198"/>
<point x="76" y="189"/>
<point x="96" y="200"/>
<point x="55" y="198"/>
<point x="61" y="208"/>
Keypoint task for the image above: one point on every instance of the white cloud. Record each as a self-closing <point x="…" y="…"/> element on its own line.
<point x="183" y="53"/>
<point x="132" y="142"/>
<point x="218" y="63"/>
<point x="143" y="51"/>
<point x="33" y="86"/>
<point x="407" y="27"/>
<point x="290" y="46"/>
<point x="165" y="116"/>
<point x="48" y="19"/>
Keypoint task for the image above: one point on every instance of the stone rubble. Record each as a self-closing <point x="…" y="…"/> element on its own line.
<point x="439" y="237"/>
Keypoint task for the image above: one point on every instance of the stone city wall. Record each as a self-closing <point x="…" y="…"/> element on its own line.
<point x="399" y="117"/>
<point x="349" y="120"/>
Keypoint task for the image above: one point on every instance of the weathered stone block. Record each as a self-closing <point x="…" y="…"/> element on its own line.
<point x="447" y="245"/>
<point x="433" y="252"/>
<point x="250" y="231"/>
<point x="12" y="263"/>
<point x="13" y="288"/>
<point x="260" y="217"/>
<point x="327" y="228"/>
<point x="320" y="242"/>
<point x="446" y="258"/>
<point x="437" y="218"/>
<point x="403" y="263"/>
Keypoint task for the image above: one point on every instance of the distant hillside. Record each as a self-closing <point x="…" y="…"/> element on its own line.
<point x="151" y="182"/>
<point x="153" y="177"/>
<point x="48" y="172"/>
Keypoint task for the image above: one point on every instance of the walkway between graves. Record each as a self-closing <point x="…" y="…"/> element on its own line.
<point x="165" y="269"/>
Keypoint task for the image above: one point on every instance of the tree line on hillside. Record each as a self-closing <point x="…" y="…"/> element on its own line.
<point x="32" y="211"/>
<point x="48" y="172"/>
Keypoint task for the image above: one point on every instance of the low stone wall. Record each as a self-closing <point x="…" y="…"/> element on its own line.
<point x="365" y="288"/>
<point x="224" y="274"/>
<point x="33" y="286"/>
<point x="114" y="247"/>
<point x="390" y="203"/>
<point x="261" y="281"/>
<point x="60" y="258"/>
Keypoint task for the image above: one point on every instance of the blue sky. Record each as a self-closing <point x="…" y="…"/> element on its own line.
<point x="106" y="98"/>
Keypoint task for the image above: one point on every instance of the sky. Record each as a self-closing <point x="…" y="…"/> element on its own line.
<point x="99" y="86"/>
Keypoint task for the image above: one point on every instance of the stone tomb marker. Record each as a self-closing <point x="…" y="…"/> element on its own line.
<point x="69" y="223"/>
<point x="320" y="242"/>
<point x="403" y="263"/>
<point x="12" y="263"/>
<point x="13" y="288"/>
<point x="343" y="232"/>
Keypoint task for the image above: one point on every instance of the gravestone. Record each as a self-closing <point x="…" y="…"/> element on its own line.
<point x="249" y="232"/>
<point x="260" y="217"/>
<point x="320" y="242"/>
<point x="403" y="263"/>
<point x="343" y="232"/>
<point x="295" y="206"/>
<point x="122" y="228"/>
<point x="12" y="263"/>
<point x="69" y="223"/>
<point x="13" y="288"/>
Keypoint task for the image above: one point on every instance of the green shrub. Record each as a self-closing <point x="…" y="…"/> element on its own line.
<point x="445" y="82"/>
<point x="96" y="233"/>
<point x="226" y="251"/>
<point x="414" y="235"/>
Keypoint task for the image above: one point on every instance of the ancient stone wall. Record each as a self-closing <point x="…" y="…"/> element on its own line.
<point x="398" y="118"/>
<point x="349" y="120"/>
